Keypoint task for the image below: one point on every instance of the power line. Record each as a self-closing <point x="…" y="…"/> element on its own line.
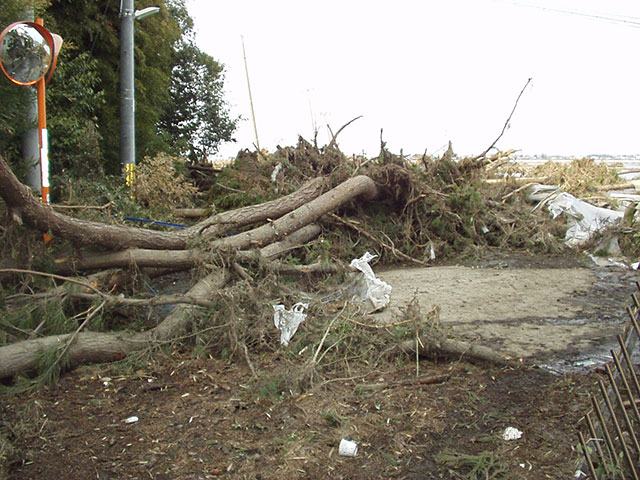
<point x="633" y="22"/>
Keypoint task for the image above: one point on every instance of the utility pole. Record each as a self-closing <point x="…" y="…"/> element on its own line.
<point x="127" y="86"/>
<point x="127" y="93"/>
<point x="30" y="138"/>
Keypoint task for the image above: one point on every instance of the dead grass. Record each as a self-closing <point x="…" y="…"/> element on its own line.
<point x="160" y="181"/>
<point x="580" y="177"/>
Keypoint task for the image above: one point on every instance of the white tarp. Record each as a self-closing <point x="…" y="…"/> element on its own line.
<point x="377" y="291"/>
<point x="583" y="219"/>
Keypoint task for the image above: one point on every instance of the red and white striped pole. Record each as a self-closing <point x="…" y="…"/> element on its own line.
<point x="44" y="140"/>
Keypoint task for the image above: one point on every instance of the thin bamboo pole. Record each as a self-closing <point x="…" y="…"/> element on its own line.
<point x="253" y="115"/>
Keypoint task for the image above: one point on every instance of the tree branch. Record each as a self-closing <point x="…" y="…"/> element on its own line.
<point x="506" y="124"/>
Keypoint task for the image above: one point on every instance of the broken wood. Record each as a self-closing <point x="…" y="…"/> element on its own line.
<point x="620" y="186"/>
<point x="426" y="380"/>
<point x="96" y="347"/>
<point x="446" y="346"/>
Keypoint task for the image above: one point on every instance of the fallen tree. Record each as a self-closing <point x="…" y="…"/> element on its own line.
<point x="288" y="225"/>
<point x="25" y="208"/>
<point x="263" y="232"/>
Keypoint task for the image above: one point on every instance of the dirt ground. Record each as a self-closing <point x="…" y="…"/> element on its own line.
<point x="557" y="311"/>
<point x="205" y="417"/>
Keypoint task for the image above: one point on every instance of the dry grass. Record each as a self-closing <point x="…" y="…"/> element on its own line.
<point x="160" y="182"/>
<point x="580" y="177"/>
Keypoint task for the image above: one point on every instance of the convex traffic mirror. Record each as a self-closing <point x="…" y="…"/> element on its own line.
<point x="27" y="52"/>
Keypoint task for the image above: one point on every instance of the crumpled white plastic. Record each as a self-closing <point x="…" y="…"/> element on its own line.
<point x="288" y="321"/>
<point x="583" y="219"/>
<point x="275" y="172"/>
<point x="511" y="433"/>
<point x="377" y="291"/>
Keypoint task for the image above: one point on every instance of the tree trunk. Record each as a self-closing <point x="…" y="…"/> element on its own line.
<point x="258" y="237"/>
<point x="27" y="209"/>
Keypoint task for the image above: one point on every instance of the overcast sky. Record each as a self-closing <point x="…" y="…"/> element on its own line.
<point x="427" y="72"/>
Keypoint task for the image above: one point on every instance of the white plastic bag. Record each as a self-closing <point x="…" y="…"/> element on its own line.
<point x="288" y="321"/>
<point x="583" y="219"/>
<point x="377" y="291"/>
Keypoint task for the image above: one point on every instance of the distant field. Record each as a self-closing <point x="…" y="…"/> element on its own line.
<point x="622" y="163"/>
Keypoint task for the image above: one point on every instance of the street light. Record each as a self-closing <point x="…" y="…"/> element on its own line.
<point x="146" y="12"/>
<point x="127" y="88"/>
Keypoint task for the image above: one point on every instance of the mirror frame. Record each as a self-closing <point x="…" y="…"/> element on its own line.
<point x="50" y="41"/>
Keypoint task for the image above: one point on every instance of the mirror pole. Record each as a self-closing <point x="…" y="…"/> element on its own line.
<point x="44" y="140"/>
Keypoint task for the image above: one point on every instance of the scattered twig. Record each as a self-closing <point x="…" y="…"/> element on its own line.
<point x="427" y="380"/>
<point x="84" y="207"/>
<point x="378" y="241"/>
<point x="231" y="189"/>
<point x="519" y="189"/>
<point x="52" y="275"/>
<point x="248" y="359"/>
<point x="73" y="336"/>
<point x="389" y="325"/>
<point x="117" y="299"/>
<point x="324" y="337"/>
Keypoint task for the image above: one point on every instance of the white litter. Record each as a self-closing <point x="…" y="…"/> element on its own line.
<point x="133" y="419"/>
<point x="583" y="219"/>
<point x="608" y="262"/>
<point x="275" y="172"/>
<point x="511" y="433"/>
<point x="377" y="291"/>
<point x="288" y="321"/>
<point x="635" y="266"/>
<point x="432" y="252"/>
<point x="347" y="448"/>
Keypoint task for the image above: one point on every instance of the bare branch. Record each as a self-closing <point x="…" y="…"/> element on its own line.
<point x="506" y="124"/>
<point x="332" y="143"/>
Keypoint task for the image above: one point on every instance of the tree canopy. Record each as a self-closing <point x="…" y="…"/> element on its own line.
<point x="180" y="107"/>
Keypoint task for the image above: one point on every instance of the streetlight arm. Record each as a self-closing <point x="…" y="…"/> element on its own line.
<point x="145" y="12"/>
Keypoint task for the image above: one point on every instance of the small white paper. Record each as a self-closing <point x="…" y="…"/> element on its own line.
<point x="511" y="433"/>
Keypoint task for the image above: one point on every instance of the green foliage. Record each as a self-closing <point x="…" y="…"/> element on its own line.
<point x="199" y="120"/>
<point x="75" y="140"/>
<point x="178" y="88"/>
